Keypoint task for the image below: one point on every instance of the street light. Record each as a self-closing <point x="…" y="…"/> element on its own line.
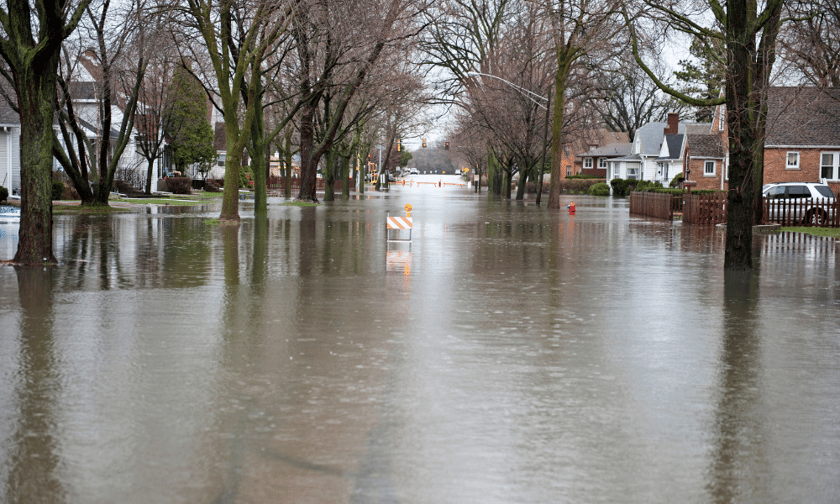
<point x="529" y="94"/>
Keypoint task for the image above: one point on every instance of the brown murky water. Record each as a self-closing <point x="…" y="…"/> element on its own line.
<point x="506" y="355"/>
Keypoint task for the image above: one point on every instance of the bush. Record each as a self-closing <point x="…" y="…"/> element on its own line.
<point x="677" y="180"/>
<point x="57" y="189"/>
<point x="4" y="194"/>
<point x="619" y="186"/>
<point x="599" y="189"/>
<point x="179" y="185"/>
<point x="647" y="186"/>
<point x="582" y="176"/>
<point x="669" y="190"/>
<point x="210" y="186"/>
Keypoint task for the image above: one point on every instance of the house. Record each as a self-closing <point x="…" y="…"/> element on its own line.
<point x="803" y="136"/>
<point x="659" y="150"/>
<point x="596" y="162"/>
<point x="574" y="160"/>
<point x="705" y="160"/>
<point x="802" y="141"/>
<point x="85" y="89"/>
<point x="645" y="149"/>
<point x="9" y="148"/>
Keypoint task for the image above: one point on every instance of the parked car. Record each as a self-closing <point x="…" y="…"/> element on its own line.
<point x="414" y="171"/>
<point x="816" y="201"/>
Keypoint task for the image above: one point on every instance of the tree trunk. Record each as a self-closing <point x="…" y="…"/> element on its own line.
<point x="329" y="175"/>
<point x="345" y="177"/>
<point x="557" y="175"/>
<point x="308" y="165"/>
<point x="36" y="102"/>
<point x="233" y="163"/>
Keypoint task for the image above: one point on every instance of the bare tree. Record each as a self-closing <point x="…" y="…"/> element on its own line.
<point x="625" y="98"/>
<point x="101" y="51"/>
<point x="335" y="60"/>
<point x="749" y="32"/>
<point x="812" y="45"/>
<point x="237" y="35"/>
<point x="30" y="44"/>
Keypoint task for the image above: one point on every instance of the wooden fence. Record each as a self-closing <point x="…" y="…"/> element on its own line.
<point x="710" y="209"/>
<point x="704" y="209"/>
<point x="656" y="205"/>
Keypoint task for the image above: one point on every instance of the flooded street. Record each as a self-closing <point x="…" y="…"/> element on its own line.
<point x="506" y="355"/>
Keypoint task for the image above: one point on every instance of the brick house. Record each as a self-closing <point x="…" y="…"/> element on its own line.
<point x="596" y="161"/>
<point x="705" y="159"/>
<point x="802" y="142"/>
<point x="574" y="160"/>
<point x="803" y="136"/>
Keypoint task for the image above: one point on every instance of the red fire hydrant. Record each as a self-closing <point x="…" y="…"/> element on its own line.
<point x="572" y="208"/>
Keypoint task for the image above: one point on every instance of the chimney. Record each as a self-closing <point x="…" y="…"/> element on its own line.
<point x="673" y="124"/>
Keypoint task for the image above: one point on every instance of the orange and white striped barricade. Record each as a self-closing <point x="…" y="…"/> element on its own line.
<point x="399" y="223"/>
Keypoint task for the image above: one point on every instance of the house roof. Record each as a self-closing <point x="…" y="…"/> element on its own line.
<point x="650" y="136"/>
<point x="8" y="117"/>
<point x="706" y="146"/>
<point x="598" y="137"/>
<point x="611" y="150"/>
<point x="803" y="116"/>
<point x="674" y="143"/>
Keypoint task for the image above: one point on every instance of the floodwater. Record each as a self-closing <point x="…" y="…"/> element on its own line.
<point x="505" y="355"/>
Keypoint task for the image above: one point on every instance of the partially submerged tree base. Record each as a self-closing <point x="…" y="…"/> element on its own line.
<point x="47" y="263"/>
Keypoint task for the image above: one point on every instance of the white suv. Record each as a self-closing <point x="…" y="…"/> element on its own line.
<point x="819" y="207"/>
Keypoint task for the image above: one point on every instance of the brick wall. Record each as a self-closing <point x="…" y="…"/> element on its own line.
<point x="703" y="182"/>
<point x="775" y="166"/>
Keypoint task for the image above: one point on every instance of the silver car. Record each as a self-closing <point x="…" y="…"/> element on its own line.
<point x="808" y="202"/>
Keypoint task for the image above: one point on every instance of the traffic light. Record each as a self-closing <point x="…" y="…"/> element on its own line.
<point x="399" y="147"/>
<point x="446" y="147"/>
<point x="424" y="143"/>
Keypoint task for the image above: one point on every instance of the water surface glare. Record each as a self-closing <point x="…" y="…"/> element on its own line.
<point x="506" y="355"/>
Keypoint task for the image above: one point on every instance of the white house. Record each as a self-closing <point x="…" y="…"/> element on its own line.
<point x="9" y="149"/>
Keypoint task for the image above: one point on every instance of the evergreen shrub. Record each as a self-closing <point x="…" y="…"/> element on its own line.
<point x="599" y="189"/>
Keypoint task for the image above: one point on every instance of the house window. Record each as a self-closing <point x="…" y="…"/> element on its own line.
<point x="829" y="162"/>
<point x="709" y="169"/>
<point x="222" y="159"/>
<point x="632" y="173"/>
<point x="587" y="163"/>
<point x="602" y="163"/>
<point x="792" y="161"/>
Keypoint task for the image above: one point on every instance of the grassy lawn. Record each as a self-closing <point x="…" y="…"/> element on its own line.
<point x="816" y="231"/>
<point x="116" y="204"/>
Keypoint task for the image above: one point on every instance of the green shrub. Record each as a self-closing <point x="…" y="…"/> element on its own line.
<point x="581" y="176"/>
<point x="678" y="178"/>
<point x="647" y="186"/>
<point x="619" y="186"/>
<point x="57" y="189"/>
<point x="668" y="190"/>
<point x="4" y="194"/>
<point x="599" y="189"/>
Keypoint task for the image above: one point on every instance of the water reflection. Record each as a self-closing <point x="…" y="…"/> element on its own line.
<point x="739" y="471"/>
<point x="31" y="468"/>
<point x="507" y="354"/>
